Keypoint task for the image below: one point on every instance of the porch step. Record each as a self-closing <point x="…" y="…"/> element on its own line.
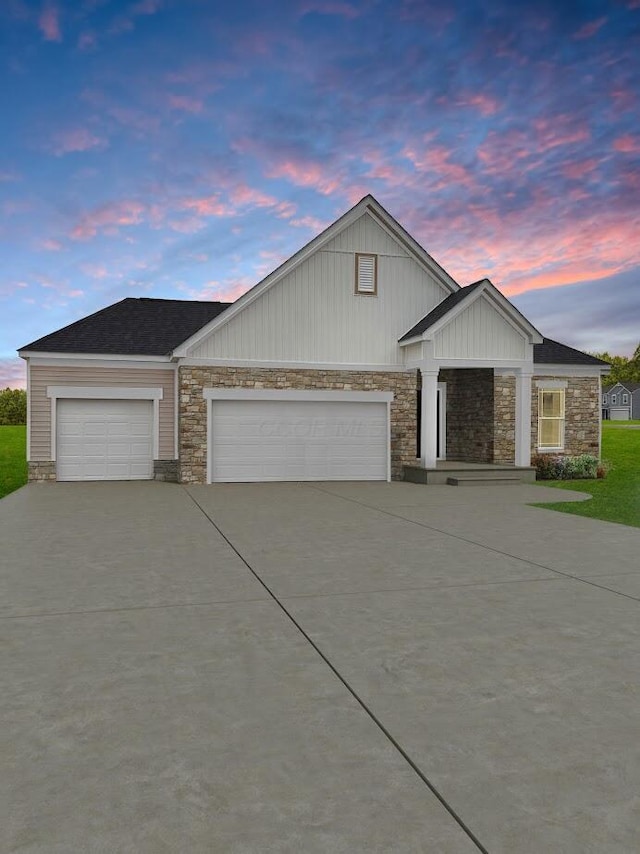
<point x="470" y="474"/>
<point x="483" y="479"/>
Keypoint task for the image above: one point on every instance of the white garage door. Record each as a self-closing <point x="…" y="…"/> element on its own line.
<point x="263" y="440"/>
<point x="620" y="414"/>
<point x="104" y="439"/>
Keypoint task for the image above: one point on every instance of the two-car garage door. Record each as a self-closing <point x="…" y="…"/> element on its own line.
<point x="104" y="439"/>
<point x="298" y="440"/>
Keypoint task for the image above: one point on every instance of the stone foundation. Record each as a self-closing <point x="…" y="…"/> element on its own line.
<point x="41" y="472"/>
<point x="166" y="470"/>
<point x="470" y="420"/>
<point x="193" y="410"/>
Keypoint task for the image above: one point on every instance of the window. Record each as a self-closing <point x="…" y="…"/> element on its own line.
<point x="551" y="419"/>
<point x="366" y="274"/>
<point x="625" y="398"/>
<point x="614" y="399"/>
<point x="604" y="399"/>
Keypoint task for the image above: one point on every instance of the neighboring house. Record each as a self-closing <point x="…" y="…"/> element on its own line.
<point x="621" y="402"/>
<point x="356" y="357"/>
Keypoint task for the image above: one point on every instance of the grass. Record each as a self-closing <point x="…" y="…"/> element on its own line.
<point x="615" y="498"/>
<point x="13" y="458"/>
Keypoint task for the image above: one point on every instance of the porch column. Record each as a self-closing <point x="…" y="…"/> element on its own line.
<point x="523" y="417"/>
<point x="429" y="419"/>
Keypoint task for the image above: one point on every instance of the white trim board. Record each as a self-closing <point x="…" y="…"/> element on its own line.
<point x="103" y="392"/>
<point x="113" y="364"/>
<point x="295" y="394"/>
<point x="90" y="357"/>
<point x="201" y="362"/>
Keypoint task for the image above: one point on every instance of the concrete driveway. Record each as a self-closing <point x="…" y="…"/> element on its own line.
<point x="316" y="668"/>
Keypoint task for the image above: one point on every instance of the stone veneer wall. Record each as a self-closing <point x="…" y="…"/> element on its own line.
<point x="470" y="397"/>
<point x="582" y="416"/>
<point x="42" y="471"/>
<point x="193" y="411"/>
<point x="504" y="419"/>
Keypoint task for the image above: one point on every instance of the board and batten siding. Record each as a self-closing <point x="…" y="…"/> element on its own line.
<point x="479" y="332"/>
<point x="313" y="314"/>
<point x="44" y="375"/>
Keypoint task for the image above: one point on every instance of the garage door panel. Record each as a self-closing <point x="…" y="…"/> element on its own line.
<point x="255" y="440"/>
<point x="104" y="440"/>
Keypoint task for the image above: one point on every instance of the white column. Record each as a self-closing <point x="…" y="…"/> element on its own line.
<point x="429" y="420"/>
<point x="523" y="417"/>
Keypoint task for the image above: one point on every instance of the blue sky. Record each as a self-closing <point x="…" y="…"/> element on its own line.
<point x="184" y="148"/>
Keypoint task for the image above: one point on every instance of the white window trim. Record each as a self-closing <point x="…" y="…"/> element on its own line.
<point x="215" y="394"/>
<point x="542" y="387"/>
<point x="614" y="400"/>
<point x="59" y="392"/>
<point x="625" y="399"/>
<point x="551" y="384"/>
<point x="358" y="290"/>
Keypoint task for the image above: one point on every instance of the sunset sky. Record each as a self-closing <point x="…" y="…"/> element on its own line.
<point x="184" y="148"/>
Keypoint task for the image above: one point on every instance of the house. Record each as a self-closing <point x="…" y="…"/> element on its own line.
<point x="355" y="358"/>
<point x="621" y="402"/>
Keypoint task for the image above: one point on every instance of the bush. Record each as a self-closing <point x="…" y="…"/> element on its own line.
<point x="581" y="467"/>
<point x="13" y="406"/>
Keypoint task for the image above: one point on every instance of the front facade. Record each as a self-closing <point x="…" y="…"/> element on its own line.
<point x="356" y="358"/>
<point x="621" y="401"/>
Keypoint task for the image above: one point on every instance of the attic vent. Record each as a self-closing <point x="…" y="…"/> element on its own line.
<point x="366" y="274"/>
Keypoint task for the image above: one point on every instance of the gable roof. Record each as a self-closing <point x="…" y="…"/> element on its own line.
<point x="452" y="303"/>
<point x="630" y="387"/>
<point x="367" y="205"/>
<point x="553" y="353"/>
<point x="140" y="327"/>
<point x="439" y="311"/>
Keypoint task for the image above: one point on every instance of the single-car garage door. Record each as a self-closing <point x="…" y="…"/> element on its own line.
<point x="268" y="440"/>
<point x="620" y="414"/>
<point x="104" y="439"/>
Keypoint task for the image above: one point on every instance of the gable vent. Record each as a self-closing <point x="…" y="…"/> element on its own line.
<point x="366" y="274"/>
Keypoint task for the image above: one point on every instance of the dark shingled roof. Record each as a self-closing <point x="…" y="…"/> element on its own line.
<point x="552" y="353"/>
<point x="439" y="311"/>
<point x="632" y="387"/>
<point x="135" y="327"/>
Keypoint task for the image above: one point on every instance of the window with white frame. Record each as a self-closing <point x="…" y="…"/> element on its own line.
<point x="366" y="274"/>
<point x="551" y="419"/>
<point x="625" y="398"/>
<point x="604" y="398"/>
<point x="614" y="399"/>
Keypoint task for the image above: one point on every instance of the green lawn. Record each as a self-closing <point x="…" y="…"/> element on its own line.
<point x="616" y="498"/>
<point x="13" y="458"/>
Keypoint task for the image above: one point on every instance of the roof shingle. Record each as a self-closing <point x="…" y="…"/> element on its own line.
<point x="136" y="327"/>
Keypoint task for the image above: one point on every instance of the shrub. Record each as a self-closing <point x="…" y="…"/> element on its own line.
<point x="13" y="406"/>
<point x="580" y="467"/>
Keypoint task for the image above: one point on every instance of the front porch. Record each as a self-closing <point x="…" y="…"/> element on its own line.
<point x="460" y="473"/>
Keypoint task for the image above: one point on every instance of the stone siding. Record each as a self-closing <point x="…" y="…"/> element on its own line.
<point x="470" y="396"/>
<point x="166" y="470"/>
<point x="504" y="420"/>
<point x="193" y="410"/>
<point x="42" y="471"/>
<point x="582" y="415"/>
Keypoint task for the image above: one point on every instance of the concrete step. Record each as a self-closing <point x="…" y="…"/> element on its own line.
<point x="483" y="480"/>
<point x="482" y="474"/>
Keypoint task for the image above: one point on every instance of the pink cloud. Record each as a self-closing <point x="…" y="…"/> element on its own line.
<point x="49" y="23"/>
<point x="108" y="218"/>
<point x="207" y="206"/>
<point x="186" y="104"/>
<point x="75" y="140"/>
<point x="95" y="271"/>
<point x="50" y="245"/>
<point x="579" y="170"/>
<point x="305" y="173"/>
<point x="13" y="373"/>
<point x="87" y="40"/>
<point x="589" y="29"/>
<point x="627" y="144"/>
<point x="557" y="131"/>
<point x="486" y="105"/>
